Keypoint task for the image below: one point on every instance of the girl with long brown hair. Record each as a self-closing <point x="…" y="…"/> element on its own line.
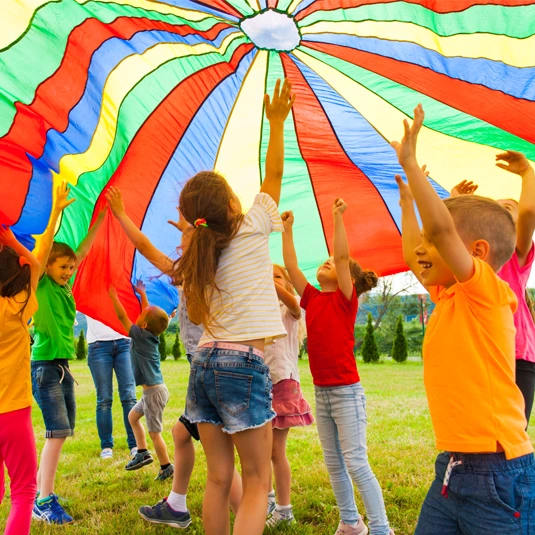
<point x="227" y="280"/>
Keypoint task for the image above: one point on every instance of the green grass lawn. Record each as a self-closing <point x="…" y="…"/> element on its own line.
<point x="103" y="497"/>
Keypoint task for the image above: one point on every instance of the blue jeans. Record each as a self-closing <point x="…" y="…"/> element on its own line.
<point x="486" y="494"/>
<point x="341" y="421"/>
<point x="229" y="388"/>
<point x="103" y="358"/>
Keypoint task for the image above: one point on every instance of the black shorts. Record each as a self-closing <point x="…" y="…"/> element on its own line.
<point x="192" y="428"/>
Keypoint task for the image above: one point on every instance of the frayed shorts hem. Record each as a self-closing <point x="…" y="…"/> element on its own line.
<point x="224" y="429"/>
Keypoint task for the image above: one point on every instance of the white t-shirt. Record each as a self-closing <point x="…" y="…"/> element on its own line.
<point x="98" y="332"/>
<point x="282" y="355"/>
<point x="247" y="307"/>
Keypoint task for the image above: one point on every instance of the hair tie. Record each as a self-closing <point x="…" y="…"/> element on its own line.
<point x="201" y="222"/>
<point x="23" y="261"/>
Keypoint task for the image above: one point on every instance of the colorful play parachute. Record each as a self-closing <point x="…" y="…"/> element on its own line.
<point x="142" y="94"/>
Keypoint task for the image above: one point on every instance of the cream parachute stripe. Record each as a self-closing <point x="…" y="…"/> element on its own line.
<point x="509" y="50"/>
<point x="118" y="85"/>
<point x="449" y="159"/>
<point x="238" y="155"/>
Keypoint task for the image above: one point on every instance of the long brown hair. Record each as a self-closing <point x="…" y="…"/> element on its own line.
<point x="365" y="279"/>
<point x="14" y="278"/>
<point x="205" y="196"/>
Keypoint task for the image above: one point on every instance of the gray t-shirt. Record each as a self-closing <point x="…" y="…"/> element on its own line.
<point x="190" y="334"/>
<point x="145" y="357"/>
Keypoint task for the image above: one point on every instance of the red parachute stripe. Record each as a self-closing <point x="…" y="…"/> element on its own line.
<point x="371" y="245"/>
<point x="221" y="5"/>
<point x="55" y="97"/>
<point x="112" y="255"/>
<point x="272" y="3"/>
<point x="438" y="6"/>
<point x="501" y="110"/>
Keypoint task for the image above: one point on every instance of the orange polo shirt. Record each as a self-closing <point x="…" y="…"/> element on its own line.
<point x="469" y="367"/>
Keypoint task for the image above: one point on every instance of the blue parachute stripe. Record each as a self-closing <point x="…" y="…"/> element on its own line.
<point x="202" y="7"/>
<point x="515" y="81"/>
<point x="364" y="146"/>
<point x="197" y="151"/>
<point x="263" y="4"/>
<point x="83" y="118"/>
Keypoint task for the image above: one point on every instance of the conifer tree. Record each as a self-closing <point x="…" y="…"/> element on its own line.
<point x="176" y="352"/>
<point x="370" y="353"/>
<point x="81" y="350"/>
<point x="162" y="347"/>
<point x="399" y="347"/>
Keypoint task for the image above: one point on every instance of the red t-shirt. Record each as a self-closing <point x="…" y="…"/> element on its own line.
<point x="330" y="320"/>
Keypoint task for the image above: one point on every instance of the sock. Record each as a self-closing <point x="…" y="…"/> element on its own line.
<point x="142" y="451"/>
<point x="177" y="502"/>
<point x="164" y="466"/>
<point x="285" y="509"/>
<point x="42" y="501"/>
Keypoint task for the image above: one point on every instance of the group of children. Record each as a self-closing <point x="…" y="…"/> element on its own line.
<point x="243" y="391"/>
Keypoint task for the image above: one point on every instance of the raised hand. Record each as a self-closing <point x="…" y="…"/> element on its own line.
<point x="115" y="201"/>
<point x="339" y="207"/>
<point x="287" y="220"/>
<point x="112" y="291"/>
<point x="406" y="149"/>
<point x="464" y="188"/>
<point x="182" y="224"/>
<point x="62" y="192"/>
<point x="140" y="287"/>
<point x="6" y="236"/>
<point x="514" y="162"/>
<point x="405" y="193"/>
<point x="278" y="107"/>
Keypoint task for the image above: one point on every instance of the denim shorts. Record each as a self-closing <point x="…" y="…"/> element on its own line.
<point x="487" y="494"/>
<point x="53" y="390"/>
<point x="229" y="388"/>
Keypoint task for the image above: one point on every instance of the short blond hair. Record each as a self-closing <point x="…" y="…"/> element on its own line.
<point x="480" y="218"/>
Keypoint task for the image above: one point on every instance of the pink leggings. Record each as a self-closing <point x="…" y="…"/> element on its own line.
<point x="17" y="451"/>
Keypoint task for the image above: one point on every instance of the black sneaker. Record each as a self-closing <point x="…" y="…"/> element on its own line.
<point x="139" y="460"/>
<point x="161" y="513"/>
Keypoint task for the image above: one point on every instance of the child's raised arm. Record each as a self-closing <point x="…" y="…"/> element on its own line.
<point x="85" y="245"/>
<point x="289" y="300"/>
<point x="119" y="309"/>
<point x="437" y="222"/>
<point x="158" y="259"/>
<point x="341" y="250"/>
<point x="47" y="239"/>
<point x="8" y="238"/>
<point x="290" y="257"/>
<point x="276" y="112"/>
<point x="140" y="289"/>
<point x="518" y="164"/>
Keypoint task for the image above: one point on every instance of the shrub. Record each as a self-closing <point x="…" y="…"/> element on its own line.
<point x="370" y="353"/>
<point x="176" y="351"/>
<point x="81" y="349"/>
<point x="162" y="347"/>
<point x="399" y="347"/>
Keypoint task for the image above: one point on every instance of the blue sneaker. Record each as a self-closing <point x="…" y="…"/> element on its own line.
<point x="161" y="513"/>
<point x="51" y="512"/>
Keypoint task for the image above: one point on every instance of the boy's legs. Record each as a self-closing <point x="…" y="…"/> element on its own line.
<point x="334" y="460"/>
<point x="122" y="365"/>
<point x="155" y="401"/>
<point x="160" y="448"/>
<point x="100" y="362"/>
<point x="348" y="409"/>
<point x="134" y="418"/>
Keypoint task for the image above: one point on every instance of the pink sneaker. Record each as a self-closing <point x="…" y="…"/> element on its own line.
<point x="359" y="529"/>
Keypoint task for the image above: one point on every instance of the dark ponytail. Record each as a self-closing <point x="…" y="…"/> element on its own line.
<point x="364" y="281"/>
<point x="14" y="278"/>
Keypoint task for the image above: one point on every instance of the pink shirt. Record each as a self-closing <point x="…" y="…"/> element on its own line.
<point x="517" y="277"/>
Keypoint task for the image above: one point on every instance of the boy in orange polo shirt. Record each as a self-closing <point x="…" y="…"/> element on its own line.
<point x="485" y="480"/>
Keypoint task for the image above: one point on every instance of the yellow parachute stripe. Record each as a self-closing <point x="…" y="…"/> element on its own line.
<point x="515" y="52"/>
<point x="449" y="159"/>
<point x="238" y="157"/>
<point x="126" y="75"/>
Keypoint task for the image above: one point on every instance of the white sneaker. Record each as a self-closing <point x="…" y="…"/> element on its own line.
<point x="106" y="453"/>
<point x="359" y="529"/>
<point x="278" y="518"/>
<point x="133" y="452"/>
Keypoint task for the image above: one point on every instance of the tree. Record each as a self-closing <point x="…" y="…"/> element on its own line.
<point x="162" y="347"/>
<point x="81" y="350"/>
<point x="370" y="353"/>
<point x="175" y="351"/>
<point x="399" y="347"/>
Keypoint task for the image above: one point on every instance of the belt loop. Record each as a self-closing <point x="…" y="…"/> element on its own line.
<point x="250" y="356"/>
<point x="214" y="347"/>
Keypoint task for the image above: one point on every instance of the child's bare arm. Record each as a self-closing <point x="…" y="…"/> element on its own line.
<point x="436" y="219"/>
<point x="341" y="249"/>
<point x="85" y="246"/>
<point x="8" y="238"/>
<point x="276" y="112"/>
<point x="47" y="238"/>
<point x="411" y="235"/>
<point x="119" y="309"/>
<point x="518" y="164"/>
<point x="290" y="257"/>
<point x="140" y="289"/>
<point x="289" y="300"/>
<point x="158" y="259"/>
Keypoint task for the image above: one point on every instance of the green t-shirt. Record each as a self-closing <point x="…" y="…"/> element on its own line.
<point x="54" y="321"/>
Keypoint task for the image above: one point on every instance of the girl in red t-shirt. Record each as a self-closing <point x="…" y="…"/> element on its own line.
<point x="340" y="399"/>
